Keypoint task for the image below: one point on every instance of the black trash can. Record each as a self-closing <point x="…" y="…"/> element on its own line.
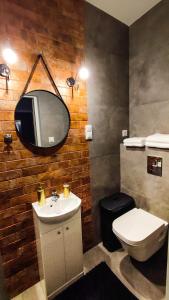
<point x="111" y="208"/>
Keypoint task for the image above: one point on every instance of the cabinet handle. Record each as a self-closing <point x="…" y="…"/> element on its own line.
<point x="67" y="228"/>
<point x="59" y="232"/>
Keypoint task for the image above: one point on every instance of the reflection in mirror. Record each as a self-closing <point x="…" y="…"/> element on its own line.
<point x="42" y="119"/>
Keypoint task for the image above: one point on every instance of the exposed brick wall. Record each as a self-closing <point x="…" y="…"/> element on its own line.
<point x="55" y="28"/>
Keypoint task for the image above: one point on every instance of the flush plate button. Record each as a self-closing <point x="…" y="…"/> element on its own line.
<point x="154" y="165"/>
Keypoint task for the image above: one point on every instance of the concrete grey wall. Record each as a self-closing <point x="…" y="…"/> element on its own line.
<point x="150" y="192"/>
<point x="149" y="72"/>
<point x="149" y="109"/>
<point x="107" y="59"/>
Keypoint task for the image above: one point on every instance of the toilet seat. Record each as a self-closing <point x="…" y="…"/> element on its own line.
<point x="138" y="227"/>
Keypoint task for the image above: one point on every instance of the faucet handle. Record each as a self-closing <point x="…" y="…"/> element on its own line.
<point x="54" y="195"/>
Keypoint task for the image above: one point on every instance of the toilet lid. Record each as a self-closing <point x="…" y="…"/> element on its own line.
<point x="137" y="225"/>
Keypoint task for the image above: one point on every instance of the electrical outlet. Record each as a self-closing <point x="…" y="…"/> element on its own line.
<point x="124" y="133"/>
<point x="88" y="132"/>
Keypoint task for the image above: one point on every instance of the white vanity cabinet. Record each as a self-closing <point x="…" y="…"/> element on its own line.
<point x="60" y="254"/>
<point x="73" y="248"/>
<point x="52" y="247"/>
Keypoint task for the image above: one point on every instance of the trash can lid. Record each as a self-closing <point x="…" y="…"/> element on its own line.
<point x="116" y="202"/>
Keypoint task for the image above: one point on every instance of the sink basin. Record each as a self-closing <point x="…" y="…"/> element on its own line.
<point x="61" y="210"/>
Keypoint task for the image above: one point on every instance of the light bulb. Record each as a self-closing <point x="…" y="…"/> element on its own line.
<point x="84" y="73"/>
<point x="9" y="56"/>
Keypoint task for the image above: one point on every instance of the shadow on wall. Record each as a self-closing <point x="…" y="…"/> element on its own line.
<point x="3" y="294"/>
<point x="96" y="211"/>
<point x="107" y="58"/>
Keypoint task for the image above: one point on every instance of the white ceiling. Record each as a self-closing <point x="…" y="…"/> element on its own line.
<point x="126" y="11"/>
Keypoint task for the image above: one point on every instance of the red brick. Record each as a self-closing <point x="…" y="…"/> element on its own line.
<point x="2" y="167"/>
<point x="34" y="170"/>
<point x="10" y="175"/>
<point x="6" y="116"/>
<point x="8" y="126"/>
<point x="62" y="42"/>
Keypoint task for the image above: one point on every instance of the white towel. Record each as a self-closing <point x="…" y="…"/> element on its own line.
<point x="158" y="140"/>
<point x="134" y="142"/>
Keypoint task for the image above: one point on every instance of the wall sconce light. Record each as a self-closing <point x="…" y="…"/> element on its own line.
<point x="83" y="74"/>
<point x="4" y="71"/>
<point x="10" y="57"/>
<point x="8" y="139"/>
<point x="70" y="81"/>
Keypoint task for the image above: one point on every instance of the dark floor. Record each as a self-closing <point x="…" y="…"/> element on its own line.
<point x="99" y="284"/>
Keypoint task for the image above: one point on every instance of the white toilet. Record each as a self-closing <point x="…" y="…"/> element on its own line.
<point x="140" y="233"/>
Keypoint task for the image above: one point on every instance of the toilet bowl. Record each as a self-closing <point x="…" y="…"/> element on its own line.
<point x="140" y="233"/>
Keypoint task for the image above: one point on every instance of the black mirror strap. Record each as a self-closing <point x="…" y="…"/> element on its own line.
<point x="45" y="65"/>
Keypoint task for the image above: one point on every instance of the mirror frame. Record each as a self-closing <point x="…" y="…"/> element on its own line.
<point x="33" y="147"/>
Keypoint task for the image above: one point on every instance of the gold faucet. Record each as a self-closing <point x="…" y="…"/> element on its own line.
<point x="41" y="195"/>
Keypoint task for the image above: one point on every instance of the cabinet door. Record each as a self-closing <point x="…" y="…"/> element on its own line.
<point x="53" y="259"/>
<point x="73" y="249"/>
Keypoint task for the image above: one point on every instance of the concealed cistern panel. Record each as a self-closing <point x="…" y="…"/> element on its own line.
<point x="154" y="165"/>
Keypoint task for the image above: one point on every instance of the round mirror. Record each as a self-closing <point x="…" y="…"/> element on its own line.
<point x="42" y="119"/>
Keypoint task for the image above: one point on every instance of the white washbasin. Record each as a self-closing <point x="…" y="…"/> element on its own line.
<point x="58" y="211"/>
